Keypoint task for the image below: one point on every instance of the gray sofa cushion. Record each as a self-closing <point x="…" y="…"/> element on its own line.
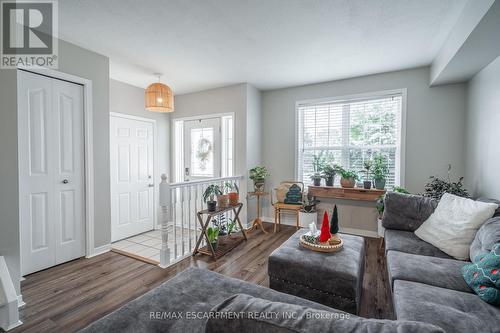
<point x="454" y="311"/>
<point x="288" y="318"/>
<point x="405" y="211"/>
<point x="406" y="241"/>
<point x="439" y="272"/>
<point x="194" y="290"/>
<point x="487" y="236"/>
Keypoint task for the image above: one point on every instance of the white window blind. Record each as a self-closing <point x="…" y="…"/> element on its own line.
<point x="348" y="132"/>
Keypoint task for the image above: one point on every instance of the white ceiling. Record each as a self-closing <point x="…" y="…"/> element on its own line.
<point x="201" y="44"/>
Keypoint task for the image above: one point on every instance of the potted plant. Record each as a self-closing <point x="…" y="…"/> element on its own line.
<point x="233" y="193"/>
<point x="259" y="174"/>
<point x="348" y="178"/>
<point x="222" y="198"/>
<point x="329" y="174"/>
<point x="367" y="183"/>
<point x="213" y="236"/>
<point x="436" y="187"/>
<point x="380" y="171"/>
<point x="209" y="196"/>
<point x="319" y="163"/>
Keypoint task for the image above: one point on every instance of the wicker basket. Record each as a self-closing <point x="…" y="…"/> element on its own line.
<point x="322" y="247"/>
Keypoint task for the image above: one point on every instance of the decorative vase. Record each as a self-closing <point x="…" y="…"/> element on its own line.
<point x="223" y="200"/>
<point x="329" y="181"/>
<point x="347" y="182"/>
<point x="317" y="181"/>
<point x="211" y="205"/>
<point x="379" y="184"/>
<point x="367" y="184"/>
<point x="259" y="185"/>
<point x="234" y="198"/>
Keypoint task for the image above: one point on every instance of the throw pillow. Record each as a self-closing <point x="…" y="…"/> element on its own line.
<point x="281" y="192"/>
<point x="454" y="223"/>
<point x="484" y="276"/>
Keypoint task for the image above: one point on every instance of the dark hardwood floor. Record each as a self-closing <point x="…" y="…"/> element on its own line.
<point x="70" y="296"/>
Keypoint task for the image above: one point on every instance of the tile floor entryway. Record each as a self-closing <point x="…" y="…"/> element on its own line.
<point x="146" y="246"/>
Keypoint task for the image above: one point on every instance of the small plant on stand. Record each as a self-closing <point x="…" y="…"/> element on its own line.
<point x="213" y="236"/>
<point x="367" y="183"/>
<point x="259" y="174"/>
<point x="209" y="196"/>
<point x="436" y="187"/>
<point x="233" y="193"/>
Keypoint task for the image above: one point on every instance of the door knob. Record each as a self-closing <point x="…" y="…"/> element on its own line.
<point x="65" y="181"/>
<point x="151" y="185"/>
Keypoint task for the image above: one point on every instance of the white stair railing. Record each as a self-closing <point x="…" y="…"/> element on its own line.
<point x="9" y="313"/>
<point x="179" y="226"/>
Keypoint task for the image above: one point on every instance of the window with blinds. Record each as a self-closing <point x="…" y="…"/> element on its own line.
<point x="347" y="132"/>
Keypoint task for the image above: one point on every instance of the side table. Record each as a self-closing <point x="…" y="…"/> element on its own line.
<point x="258" y="221"/>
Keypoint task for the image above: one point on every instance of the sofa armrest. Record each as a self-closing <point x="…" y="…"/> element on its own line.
<point x="406" y="211"/>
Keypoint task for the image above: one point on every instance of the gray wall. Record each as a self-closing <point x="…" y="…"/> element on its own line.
<point x="253" y="140"/>
<point x="483" y="135"/>
<point x="9" y="177"/>
<point x="435" y="123"/>
<point x="80" y="62"/>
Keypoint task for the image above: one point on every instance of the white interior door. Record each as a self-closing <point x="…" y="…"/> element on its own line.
<point x="202" y="149"/>
<point x="51" y="183"/>
<point x="132" y="183"/>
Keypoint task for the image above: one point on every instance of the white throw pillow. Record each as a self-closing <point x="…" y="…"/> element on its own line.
<point x="453" y="225"/>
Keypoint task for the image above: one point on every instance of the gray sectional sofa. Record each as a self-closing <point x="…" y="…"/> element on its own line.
<point x="428" y="291"/>
<point x="183" y="303"/>
<point x="427" y="284"/>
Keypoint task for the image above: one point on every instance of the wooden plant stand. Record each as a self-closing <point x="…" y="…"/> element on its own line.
<point x="225" y="244"/>
<point x="258" y="221"/>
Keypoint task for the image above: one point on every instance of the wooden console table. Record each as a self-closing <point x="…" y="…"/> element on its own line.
<point x="355" y="193"/>
<point x="224" y="246"/>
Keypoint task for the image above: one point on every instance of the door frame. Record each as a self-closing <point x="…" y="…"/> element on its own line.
<point x="88" y="149"/>
<point x="173" y="143"/>
<point x="156" y="192"/>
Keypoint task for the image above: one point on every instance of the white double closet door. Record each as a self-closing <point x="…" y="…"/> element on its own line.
<point x="51" y="171"/>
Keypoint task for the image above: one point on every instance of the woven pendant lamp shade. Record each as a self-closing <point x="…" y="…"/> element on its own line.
<point x="159" y="98"/>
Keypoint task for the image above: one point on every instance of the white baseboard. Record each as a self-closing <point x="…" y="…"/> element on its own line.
<point x="12" y="326"/>
<point x="20" y="301"/>
<point x="99" y="250"/>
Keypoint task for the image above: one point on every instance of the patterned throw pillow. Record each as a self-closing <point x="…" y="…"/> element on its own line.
<point x="483" y="276"/>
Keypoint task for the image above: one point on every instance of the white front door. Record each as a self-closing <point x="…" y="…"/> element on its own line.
<point x="132" y="183"/>
<point x="202" y="153"/>
<point x="51" y="183"/>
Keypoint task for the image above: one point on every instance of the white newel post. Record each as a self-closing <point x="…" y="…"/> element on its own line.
<point x="164" y="203"/>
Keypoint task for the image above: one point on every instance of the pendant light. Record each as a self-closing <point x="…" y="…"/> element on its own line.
<point x="159" y="97"/>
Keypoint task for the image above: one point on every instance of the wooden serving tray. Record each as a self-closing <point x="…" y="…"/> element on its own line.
<point x="322" y="247"/>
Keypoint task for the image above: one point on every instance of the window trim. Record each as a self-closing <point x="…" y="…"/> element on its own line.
<point x="369" y="95"/>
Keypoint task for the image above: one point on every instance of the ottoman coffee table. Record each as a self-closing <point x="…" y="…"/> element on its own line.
<point x="333" y="279"/>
